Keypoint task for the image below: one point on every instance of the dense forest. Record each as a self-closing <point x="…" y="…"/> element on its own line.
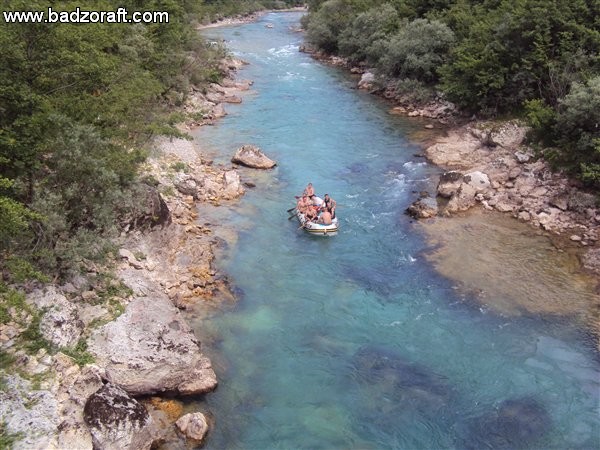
<point x="535" y="59"/>
<point x="78" y="105"/>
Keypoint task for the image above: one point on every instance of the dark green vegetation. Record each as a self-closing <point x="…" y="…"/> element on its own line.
<point x="537" y="58"/>
<point x="78" y="102"/>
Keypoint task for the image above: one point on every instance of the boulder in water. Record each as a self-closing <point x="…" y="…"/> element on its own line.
<point x="252" y="156"/>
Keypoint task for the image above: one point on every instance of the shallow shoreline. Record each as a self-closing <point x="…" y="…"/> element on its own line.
<point x="520" y="184"/>
<point x="252" y="17"/>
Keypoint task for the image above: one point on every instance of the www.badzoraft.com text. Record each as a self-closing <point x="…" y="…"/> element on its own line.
<point x="78" y="15"/>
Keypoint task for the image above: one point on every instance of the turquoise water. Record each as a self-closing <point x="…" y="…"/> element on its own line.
<point x="354" y="341"/>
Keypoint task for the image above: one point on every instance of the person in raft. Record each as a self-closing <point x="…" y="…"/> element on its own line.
<point x="303" y="204"/>
<point x="310" y="191"/>
<point x="325" y="218"/>
<point x="329" y="205"/>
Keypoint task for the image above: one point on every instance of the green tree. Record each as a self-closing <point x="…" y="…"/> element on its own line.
<point x="417" y="50"/>
<point x="578" y="128"/>
<point x="363" y="39"/>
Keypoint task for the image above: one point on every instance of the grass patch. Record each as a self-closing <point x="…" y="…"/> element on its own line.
<point x="11" y="299"/>
<point x="32" y="338"/>
<point x="79" y="353"/>
<point x="180" y="166"/>
<point x="7" y="439"/>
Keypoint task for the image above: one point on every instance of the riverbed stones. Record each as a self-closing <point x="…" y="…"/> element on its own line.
<point x="194" y="426"/>
<point x="150" y="349"/>
<point x="118" y="421"/>
<point x="252" y="156"/>
<point x="424" y="208"/>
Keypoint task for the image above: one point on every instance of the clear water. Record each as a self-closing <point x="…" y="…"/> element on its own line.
<point x="354" y="341"/>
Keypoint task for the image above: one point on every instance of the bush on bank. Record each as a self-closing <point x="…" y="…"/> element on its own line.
<point x="537" y="58"/>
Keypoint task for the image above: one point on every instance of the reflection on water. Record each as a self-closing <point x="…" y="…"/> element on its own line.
<point x="355" y="341"/>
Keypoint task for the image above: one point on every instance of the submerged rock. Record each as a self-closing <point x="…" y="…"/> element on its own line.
<point x="252" y="156"/>
<point x="403" y="382"/>
<point x="118" y="421"/>
<point x="517" y="423"/>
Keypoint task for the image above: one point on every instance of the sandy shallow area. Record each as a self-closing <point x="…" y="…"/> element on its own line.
<point x="511" y="268"/>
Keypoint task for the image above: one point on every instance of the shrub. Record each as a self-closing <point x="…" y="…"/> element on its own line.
<point x="417" y="50"/>
<point x="578" y="130"/>
<point x="326" y="25"/>
<point x="413" y="91"/>
<point x="362" y="40"/>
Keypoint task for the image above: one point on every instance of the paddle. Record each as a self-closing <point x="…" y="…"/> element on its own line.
<point x="291" y="209"/>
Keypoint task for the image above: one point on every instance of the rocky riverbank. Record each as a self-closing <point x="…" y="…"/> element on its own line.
<point x="488" y="163"/>
<point x="116" y="337"/>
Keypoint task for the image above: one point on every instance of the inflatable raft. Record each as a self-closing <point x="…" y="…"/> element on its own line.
<point x="314" y="227"/>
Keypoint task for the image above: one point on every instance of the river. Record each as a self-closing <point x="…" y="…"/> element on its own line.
<point x="354" y="340"/>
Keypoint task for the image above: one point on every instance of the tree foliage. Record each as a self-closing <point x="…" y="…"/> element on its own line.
<point x="490" y="57"/>
<point x="77" y="104"/>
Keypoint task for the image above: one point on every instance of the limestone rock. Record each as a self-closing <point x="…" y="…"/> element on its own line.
<point x="233" y="185"/>
<point x="366" y="81"/>
<point x="423" y="208"/>
<point x="186" y="185"/>
<point x="150" y="348"/>
<point x="523" y="157"/>
<point x="37" y="425"/>
<point x="252" y="156"/>
<point x="150" y="210"/>
<point x="218" y="111"/>
<point x="118" y="421"/>
<point x="449" y="183"/>
<point x="463" y="199"/>
<point x="131" y="259"/>
<point x="60" y="323"/>
<point x="478" y="181"/>
<point x="193" y="426"/>
<point x="560" y="201"/>
<point x="76" y="388"/>
<point x="232" y="99"/>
